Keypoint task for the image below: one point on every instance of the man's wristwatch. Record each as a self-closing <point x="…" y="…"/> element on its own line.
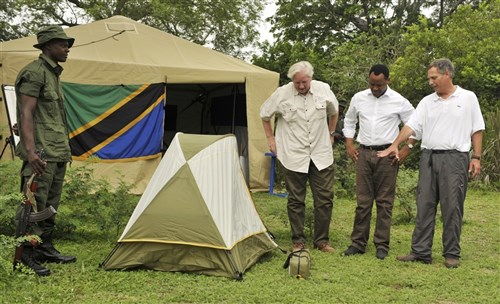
<point x="332" y="133"/>
<point x="410" y="145"/>
<point x="478" y="157"/>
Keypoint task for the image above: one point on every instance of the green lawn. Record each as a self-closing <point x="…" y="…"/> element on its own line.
<point x="334" y="279"/>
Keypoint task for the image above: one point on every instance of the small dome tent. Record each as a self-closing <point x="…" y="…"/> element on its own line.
<point x="196" y="214"/>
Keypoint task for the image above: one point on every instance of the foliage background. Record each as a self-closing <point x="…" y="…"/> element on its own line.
<point x="229" y="26"/>
<point x="343" y="50"/>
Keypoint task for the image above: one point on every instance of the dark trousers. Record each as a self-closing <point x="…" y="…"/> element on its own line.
<point x="48" y="192"/>
<point x="442" y="179"/>
<point x="321" y="183"/>
<point x="375" y="181"/>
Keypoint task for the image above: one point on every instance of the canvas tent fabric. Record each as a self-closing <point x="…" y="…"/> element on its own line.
<point x="196" y="214"/>
<point x="121" y="51"/>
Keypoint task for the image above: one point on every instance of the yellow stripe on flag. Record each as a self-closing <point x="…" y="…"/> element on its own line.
<point x="111" y="110"/>
<point x="123" y="130"/>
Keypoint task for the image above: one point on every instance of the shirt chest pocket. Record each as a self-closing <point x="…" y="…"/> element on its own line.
<point x="49" y="94"/>
<point x="289" y="112"/>
<point x="319" y="108"/>
<point x="48" y="106"/>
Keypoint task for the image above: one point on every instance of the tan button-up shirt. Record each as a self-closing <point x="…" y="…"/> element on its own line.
<point x="302" y="131"/>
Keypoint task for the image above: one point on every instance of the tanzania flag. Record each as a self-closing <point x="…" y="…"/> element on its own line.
<point x="118" y="122"/>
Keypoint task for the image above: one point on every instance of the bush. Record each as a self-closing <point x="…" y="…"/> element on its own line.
<point x="8" y="207"/>
<point x="90" y="205"/>
<point x="406" y="191"/>
<point x="87" y="204"/>
<point x="490" y="163"/>
<point x="345" y="173"/>
<point x="10" y="177"/>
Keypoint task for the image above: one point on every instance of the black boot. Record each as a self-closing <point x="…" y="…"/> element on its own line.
<point x="47" y="253"/>
<point x="29" y="260"/>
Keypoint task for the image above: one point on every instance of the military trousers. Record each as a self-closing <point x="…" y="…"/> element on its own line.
<point x="48" y="192"/>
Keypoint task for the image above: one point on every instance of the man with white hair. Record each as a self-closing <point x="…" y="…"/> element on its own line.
<point x="307" y="113"/>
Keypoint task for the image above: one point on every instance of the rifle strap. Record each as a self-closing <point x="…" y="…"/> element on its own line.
<point x="29" y="193"/>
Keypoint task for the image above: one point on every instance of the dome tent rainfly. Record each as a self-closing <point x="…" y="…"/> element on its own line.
<point x="119" y="52"/>
<point x="196" y="214"/>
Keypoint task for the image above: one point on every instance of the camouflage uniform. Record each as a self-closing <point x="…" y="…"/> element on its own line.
<point x="40" y="79"/>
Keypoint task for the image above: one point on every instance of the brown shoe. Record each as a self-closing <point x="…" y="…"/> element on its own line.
<point x="325" y="247"/>
<point x="451" y="262"/>
<point x="298" y="246"/>
<point x="411" y="258"/>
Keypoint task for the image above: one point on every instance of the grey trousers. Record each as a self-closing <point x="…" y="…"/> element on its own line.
<point x="442" y="179"/>
<point x="375" y="181"/>
<point x="321" y="183"/>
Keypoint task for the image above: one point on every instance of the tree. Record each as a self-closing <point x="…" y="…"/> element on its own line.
<point x="281" y="55"/>
<point x="330" y="23"/>
<point x="343" y="49"/>
<point x="442" y="8"/>
<point x="228" y="26"/>
<point x="469" y="38"/>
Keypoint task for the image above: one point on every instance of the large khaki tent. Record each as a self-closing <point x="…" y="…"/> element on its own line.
<point x="206" y="92"/>
<point x="196" y="214"/>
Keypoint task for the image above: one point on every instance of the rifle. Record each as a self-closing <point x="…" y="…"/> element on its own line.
<point x="29" y="214"/>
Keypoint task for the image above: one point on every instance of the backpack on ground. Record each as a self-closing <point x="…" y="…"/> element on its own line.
<point x="298" y="264"/>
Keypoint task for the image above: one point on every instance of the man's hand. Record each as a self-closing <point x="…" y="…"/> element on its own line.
<point x="271" y="144"/>
<point x="474" y="167"/>
<point x="353" y="152"/>
<point x="351" y="149"/>
<point x="403" y="155"/>
<point x="37" y="164"/>
<point x="392" y="151"/>
<point x="15" y="129"/>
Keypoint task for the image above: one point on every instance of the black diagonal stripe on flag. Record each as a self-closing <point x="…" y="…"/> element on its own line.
<point x="87" y="140"/>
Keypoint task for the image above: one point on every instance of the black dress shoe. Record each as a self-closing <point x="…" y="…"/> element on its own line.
<point x="381" y="253"/>
<point x="352" y="251"/>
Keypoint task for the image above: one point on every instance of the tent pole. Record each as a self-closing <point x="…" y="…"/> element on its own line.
<point x="235" y="90"/>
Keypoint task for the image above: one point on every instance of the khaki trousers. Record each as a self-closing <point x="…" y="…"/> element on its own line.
<point x="375" y="181"/>
<point x="321" y="183"/>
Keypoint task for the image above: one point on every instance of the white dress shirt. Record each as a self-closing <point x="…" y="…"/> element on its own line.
<point x="447" y="124"/>
<point x="302" y="131"/>
<point x="379" y="118"/>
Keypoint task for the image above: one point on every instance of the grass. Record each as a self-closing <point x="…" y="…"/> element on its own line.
<point x="334" y="279"/>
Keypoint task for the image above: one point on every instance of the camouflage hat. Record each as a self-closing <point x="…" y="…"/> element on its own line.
<point x="52" y="32"/>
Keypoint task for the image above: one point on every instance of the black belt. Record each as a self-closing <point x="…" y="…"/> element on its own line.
<point x="375" y="148"/>
<point x="443" y="151"/>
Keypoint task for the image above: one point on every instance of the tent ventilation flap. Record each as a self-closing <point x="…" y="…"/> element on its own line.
<point x="122" y="26"/>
